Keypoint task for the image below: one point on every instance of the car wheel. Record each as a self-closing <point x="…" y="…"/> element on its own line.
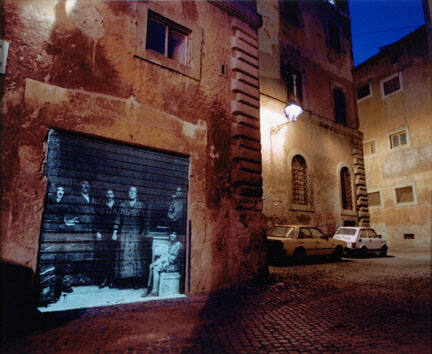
<point x="338" y="253"/>
<point x="299" y="255"/>
<point x="363" y="252"/>
<point x="383" y="251"/>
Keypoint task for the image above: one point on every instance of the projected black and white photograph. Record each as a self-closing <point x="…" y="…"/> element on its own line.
<point x="114" y="223"/>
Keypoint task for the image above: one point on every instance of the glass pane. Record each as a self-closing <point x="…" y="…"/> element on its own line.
<point x="391" y="85"/>
<point x="305" y="233"/>
<point x="279" y="231"/>
<point x="155" y="36"/>
<point x="395" y="141"/>
<point x="317" y="233"/>
<point x="177" y="46"/>
<point x="403" y="139"/>
<point x="345" y="231"/>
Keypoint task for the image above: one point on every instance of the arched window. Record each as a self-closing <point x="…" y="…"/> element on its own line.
<point x="299" y="181"/>
<point x="346" y="189"/>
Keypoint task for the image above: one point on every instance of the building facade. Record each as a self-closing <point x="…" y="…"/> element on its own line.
<point x="394" y="95"/>
<point x="131" y="146"/>
<point x="313" y="170"/>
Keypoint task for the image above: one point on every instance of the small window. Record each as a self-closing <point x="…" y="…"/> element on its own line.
<point x="398" y="139"/>
<point x="409" y="236"/>
<point x="167" y="38"/>
<point x="340" y="106"/>
<point x="305" y="232"/>
<point x="280" y="231"/>
<point x="404" y="195"/>
<point x="334" y="36"/>
<point x="363" y="91"/>
<point x="374" y="198"/>
<point x="372" y="233"/>
<point x="346" y="189"/>
<point x="317" y="233"/>
<point x="294" y="82"/>
<point x="391" y="85"/>
<point x="369" y="148"/>
<point x="299" y="181"/>
<point x="346" y="231"/>
<point x="290" y="12"/>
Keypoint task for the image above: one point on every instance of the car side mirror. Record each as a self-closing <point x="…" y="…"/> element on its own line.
<point x="379" y="236"/>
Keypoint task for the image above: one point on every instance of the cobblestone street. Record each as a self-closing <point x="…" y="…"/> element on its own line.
<point x="356" y="305"/>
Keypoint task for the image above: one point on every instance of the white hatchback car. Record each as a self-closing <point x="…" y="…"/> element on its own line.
<point x="361" y="240"/>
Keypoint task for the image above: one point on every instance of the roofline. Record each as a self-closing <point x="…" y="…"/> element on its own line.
<point x="386" y="48"/>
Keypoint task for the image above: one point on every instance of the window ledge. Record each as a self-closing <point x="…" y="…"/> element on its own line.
<point x="303" y="208"/>
<point x="404" y="204"/>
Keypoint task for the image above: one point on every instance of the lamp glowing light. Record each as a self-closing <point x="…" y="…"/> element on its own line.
<point x="292" y="110"/>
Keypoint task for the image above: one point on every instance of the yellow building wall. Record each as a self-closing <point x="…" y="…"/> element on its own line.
<point x="387" y="169"/>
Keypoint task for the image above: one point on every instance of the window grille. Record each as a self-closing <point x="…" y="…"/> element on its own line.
<point x="346" y="189"/>
<point x="299" y="180"/>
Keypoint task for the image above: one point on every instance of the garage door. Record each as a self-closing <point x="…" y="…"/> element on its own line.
<point x="114" y="223"/>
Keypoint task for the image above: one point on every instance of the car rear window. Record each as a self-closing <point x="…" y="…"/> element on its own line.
<point x="280" y="231"/>
<point x="346" y="231"/>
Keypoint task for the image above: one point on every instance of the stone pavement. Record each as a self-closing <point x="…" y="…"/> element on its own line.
<point x="288" y="314"/>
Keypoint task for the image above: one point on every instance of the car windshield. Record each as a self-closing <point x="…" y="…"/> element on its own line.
<point x="280" y="231"/>
<point x="346" y="231"/>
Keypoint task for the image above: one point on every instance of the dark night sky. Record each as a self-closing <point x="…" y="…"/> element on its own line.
<point x="376" y="23"/>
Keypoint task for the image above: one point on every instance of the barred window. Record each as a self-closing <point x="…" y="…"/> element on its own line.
<point x="299" y="180"/>
<point x="369" y="148"/>
<point x="346" y="189"/>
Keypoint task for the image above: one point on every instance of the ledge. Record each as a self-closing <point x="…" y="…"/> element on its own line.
<point x="241" y="11"/>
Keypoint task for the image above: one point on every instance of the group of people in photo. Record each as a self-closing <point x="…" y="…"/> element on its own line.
<point x="118" y="235"/>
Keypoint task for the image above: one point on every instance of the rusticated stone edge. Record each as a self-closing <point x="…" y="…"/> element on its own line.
<point x="246" y="179"/>
<point x="362" y="203"/>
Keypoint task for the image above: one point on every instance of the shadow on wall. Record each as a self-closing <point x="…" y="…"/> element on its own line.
<point x="18" y="299"/>
<point x="79" y="58"/>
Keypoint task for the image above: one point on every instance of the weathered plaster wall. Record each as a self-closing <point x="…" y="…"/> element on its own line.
<point x="408" y="109"/>
<point x="325" y="145"/>
<point x="72" y="66"/>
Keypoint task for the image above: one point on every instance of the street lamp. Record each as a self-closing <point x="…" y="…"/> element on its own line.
<point x="293" y="109"/>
